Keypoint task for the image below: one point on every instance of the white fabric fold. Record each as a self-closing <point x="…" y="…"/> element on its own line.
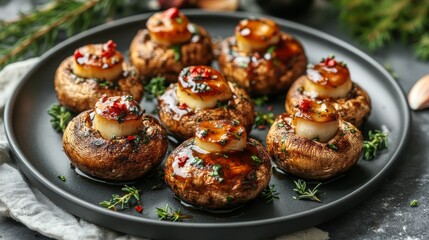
<point x="25" y="204"/>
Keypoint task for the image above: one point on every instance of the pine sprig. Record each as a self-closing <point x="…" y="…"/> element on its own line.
<point x="377" y="141"/>
<point x="306" y="193"/>
<point x="168" y="214"/>
<point x="60" y="117"/>
<point x="378" y="23"/>
<point x="123" y="201"/>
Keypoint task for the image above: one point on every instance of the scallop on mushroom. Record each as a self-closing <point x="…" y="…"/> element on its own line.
<point x="260" y="58"/>
<point x="218" y="168"/>
<point x="93" y="71"/>
<point x="314" y="142"/>
<point x="116" y="140"/>
<point x="330" y="80"/>
<point x="168" y="44"/>
<point x="202" y="94"/>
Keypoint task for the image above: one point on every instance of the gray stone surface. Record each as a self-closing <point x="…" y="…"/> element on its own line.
<point x="387" y="213"/>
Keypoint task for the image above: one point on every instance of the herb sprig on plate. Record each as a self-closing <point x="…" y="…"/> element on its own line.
<point x="60" y="117"/>
<point x="377" y="141"/>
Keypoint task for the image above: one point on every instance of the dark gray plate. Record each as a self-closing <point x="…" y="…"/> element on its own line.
<point x="38" y="149"/>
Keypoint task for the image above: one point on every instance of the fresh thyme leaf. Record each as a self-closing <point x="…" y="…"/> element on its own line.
<point x="256" y="159"/>
<point x="155" y="87"/>
<point x="60" y="117"/>
<point x="217" y="172"/>
<point x="270" y="193"/>
<point x="259" y="101"/>
<point x="123" y="201"/>
<point x="168" y="214"/>
<point x="377" y="141"/>
<point x="414" y="203"/>
<point x="62" y="178"/>
<point x="263" y="120"/>
<point x="177" y="52"/>
<point x="306" y="193"/>
<point x="331" y="146"/>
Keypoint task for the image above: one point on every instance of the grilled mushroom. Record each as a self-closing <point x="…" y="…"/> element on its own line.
<point x="116" y="141"/>
<point x="202" y="94"/>
<point x="260" y="58"/>
<point x="330" y="81"/>
<point x="95" y="70"/>
<point x="314" y="142"/>
<point x="168" y="44"/>
<point x="219" y="168"/>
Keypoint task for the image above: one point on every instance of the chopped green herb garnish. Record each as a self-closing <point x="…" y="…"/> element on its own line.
<point x="177" y="52"/>
<point x="155" y="87"/>
<point x="60" y="117"/>
<point x="377" y="141"/>
<point x="198" y="162"/>
<point x="259" y="101"/>
<point x="264" y="119"/>
<point x="217" y="172"/>
<point x="256" y="159"/>
<point x="62" y="178"/>
<point x="331" y="146"/>
<point x="414" y="203"/>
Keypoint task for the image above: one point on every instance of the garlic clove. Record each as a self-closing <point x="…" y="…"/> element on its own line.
<point x="418" y="97"/>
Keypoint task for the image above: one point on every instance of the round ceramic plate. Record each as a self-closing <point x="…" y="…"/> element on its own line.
<point x="38" y="149"/>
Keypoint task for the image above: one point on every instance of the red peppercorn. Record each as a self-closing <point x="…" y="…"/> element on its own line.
<point x="305" y="105"/>
<point x="330" y="62"/>
<point x="171" y="13"/>
<point x="131" y="138"/>
<point x="139" y="209"/>
<point x="182" y="160"/>
<point x="183" y="106"/>
<point x="77" y="54"/>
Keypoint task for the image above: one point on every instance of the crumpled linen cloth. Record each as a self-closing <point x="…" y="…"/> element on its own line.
<point x="25" y="204"/>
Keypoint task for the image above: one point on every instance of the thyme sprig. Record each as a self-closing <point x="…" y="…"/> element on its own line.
<point x="168" y="214"/>
<point x="34" y="33"/>
<point x="60" y="117"/>
<point x="123" y="201"/>
<point x="270" y="193"/>
<point x="377" y="141"/>
<point x="155" y="87"/>
<point x="306" y="193"/>
<point x="375" y="27"/>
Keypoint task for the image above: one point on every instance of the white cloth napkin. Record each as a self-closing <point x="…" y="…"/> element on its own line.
<point x="27" y="205"/>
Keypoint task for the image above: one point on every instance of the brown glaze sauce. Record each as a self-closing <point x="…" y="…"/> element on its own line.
<point x="224" y="169"/>
<point x="279" y="54"/>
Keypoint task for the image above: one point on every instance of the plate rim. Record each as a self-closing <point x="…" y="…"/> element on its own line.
<point x="35" y="175"/>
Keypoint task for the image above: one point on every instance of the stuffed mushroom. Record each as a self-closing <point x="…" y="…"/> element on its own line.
<point x="330" y="81"/>
<point x="93" y="71"/>
<point x="218" y="168"/>
<point x="260" y="58"/>
<point x="116" y="141"/>
<point x="168" y="44"/>
<point x="314" y="142"/>
<point x="202" y="94"/>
